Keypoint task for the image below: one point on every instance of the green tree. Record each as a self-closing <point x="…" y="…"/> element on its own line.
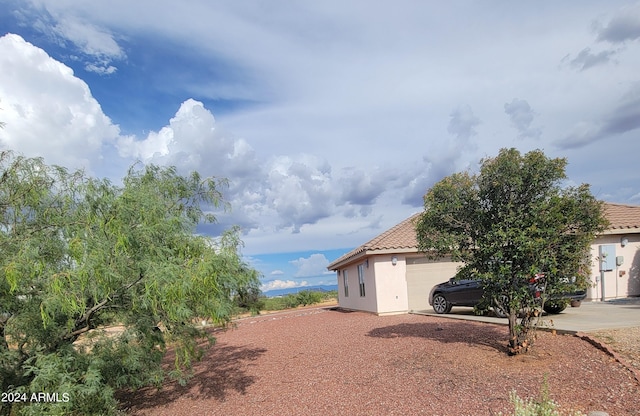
<point x="78" y="255"/>
<point x="250" y="298"/>
<point x="512" y="220"/>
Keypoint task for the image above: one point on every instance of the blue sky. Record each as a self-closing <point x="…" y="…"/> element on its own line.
<point x="331" y="119"/>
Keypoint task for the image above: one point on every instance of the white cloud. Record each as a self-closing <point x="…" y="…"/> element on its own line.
<point x="192" y="141"/>
<point x="154" y="146"/>
<point x="291" y="190"/>
<point x="282" y="284"/>
<point x="360" y="187"/>
<point x="314" y="265"/>
<point x="463" y="123"/>
<point x="300" y="190"/>
<point x="341" y="115"/>
<point x="102" y="69"/>
<point x="90" y="39"/>
<point x="93" y="44"/>
<point x="276" y="273"/>
<point x="587" y="59"/>
<point x="521" y="115"/>
<point x="623" y="26"/>
<point x="48" y="111"/>
<point x="623" y="118"/>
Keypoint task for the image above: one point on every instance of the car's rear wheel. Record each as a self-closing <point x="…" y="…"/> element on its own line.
<point x="500" y="313"/>
<point x="440" y="304"/>
<point x="499" y="307"/>
<point x="554" y="307"/>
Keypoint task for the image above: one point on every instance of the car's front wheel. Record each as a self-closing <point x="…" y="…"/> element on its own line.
<point x="440" y="304"/>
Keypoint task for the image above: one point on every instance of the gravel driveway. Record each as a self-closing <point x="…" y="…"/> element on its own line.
<point x="320" y="361"/>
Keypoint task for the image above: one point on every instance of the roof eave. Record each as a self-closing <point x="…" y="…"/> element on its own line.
<point x="619" y="231"/>
<point x="366" y="253"/>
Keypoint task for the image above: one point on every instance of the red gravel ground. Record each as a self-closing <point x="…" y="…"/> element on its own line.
<point x="320" y="361"/>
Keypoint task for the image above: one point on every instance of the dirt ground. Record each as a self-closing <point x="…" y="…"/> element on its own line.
<point x="625" y="342"/>
<point x="322" y="361"/>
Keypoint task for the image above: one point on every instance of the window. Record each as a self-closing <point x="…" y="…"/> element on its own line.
<point x="346" y="283"/>
<point x="361" y="278"/>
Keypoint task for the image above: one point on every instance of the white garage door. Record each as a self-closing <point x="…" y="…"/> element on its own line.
<point x="422" y="275"/>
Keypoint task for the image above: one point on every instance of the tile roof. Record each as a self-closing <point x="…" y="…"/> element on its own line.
<point x="402" y="237"/>
<point x="622" y="217"/>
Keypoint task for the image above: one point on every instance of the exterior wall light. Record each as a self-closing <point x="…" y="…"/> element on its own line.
<point x="394" y="260"/>
<point x="624" y="241"/>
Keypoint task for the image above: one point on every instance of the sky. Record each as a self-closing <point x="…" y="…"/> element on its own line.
<point x="331" y="119"/>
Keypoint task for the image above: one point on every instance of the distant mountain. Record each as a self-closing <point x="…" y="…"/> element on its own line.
<point x="282" y="292"/>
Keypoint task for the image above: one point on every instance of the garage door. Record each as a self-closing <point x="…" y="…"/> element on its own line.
<point x="422" y="275"/>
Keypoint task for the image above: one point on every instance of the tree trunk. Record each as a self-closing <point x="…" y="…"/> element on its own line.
<point x="521" y="335"/>
<point x="513" y="331"/>
<point x="3" y="339"/>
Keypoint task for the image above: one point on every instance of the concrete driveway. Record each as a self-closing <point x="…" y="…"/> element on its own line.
<point x="590" y="316"/>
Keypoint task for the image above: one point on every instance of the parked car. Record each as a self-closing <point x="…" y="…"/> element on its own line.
<point x="467" y="292"/>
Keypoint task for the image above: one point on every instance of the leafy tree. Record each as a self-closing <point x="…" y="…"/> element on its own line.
<point x="79" y="255"/>
<point x="250" y="298"/>
<point x="507" y="223"/>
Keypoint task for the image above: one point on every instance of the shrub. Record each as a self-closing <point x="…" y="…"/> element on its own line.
<point x="302" y="298"/>
<point x="308" y="297"/>
<point x="249" y="299"/>
<point x="544" y="406"/>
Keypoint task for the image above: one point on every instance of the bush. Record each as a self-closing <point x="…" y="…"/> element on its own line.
<point x="249" y="299"/>
<point x="307" y="297"/>
<point x="276" y="304"/>
<point x="544" y="406"/>
<point x="302" y="298"/>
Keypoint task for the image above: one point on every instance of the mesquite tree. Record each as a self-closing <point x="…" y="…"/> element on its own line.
<point x="508" y="222"/>
<point x="80" y="255"/>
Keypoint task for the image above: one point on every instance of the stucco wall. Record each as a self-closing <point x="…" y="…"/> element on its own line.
<point x="622" y="281"/>
<point x="391" y="284"/>
<point x="354" y="300"/>
<point x="386" y="284"/>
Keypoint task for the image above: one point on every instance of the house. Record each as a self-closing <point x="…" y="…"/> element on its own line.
<point x="615" y="271"/>
<point x="388" y="275"/>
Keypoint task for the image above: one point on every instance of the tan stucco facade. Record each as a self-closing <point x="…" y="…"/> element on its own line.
<point x="385" y="285"/>
<point x="392" y="283"/>
<point x="622" y="280"/>
<point x="386" y="291"/>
